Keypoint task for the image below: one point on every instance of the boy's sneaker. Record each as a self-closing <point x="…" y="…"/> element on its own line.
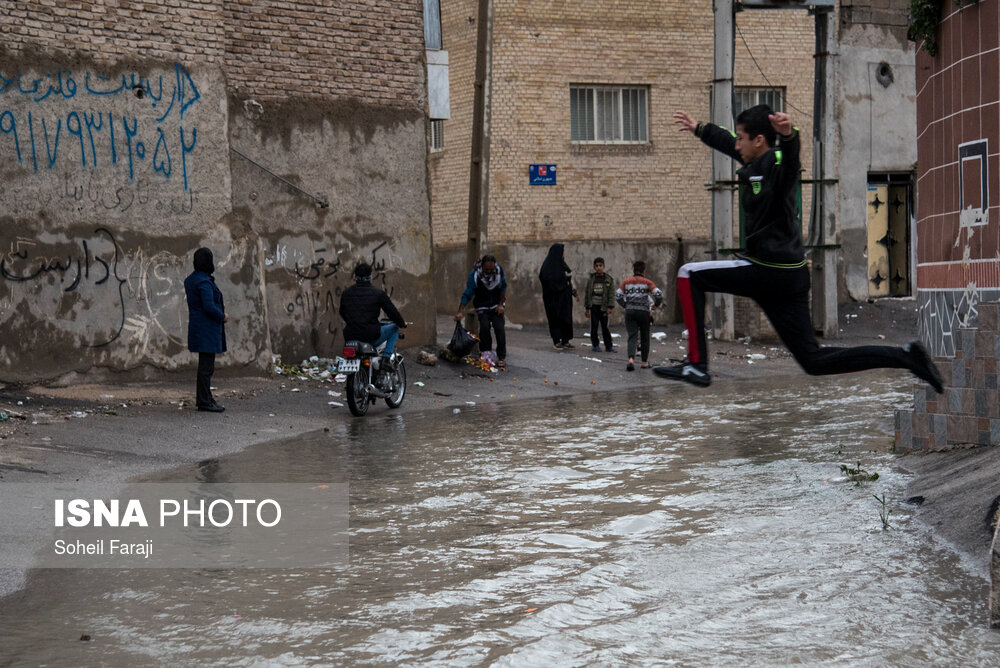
<point x="597" y="349"/>
<point x="923" y="366"/>
<point x="696" y="374"/>
<point x="611" y="349"/>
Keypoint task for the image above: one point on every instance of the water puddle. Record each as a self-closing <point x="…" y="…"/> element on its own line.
<point x="667" y="526"/>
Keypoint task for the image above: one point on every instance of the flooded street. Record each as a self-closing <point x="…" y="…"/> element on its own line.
<point x="674" y="526"/>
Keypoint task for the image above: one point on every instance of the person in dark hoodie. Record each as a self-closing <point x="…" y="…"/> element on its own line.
<point x="206" y="326"/>
<point x="772" y="269"/>
<point x="360" y="307"/>
<point x="557" y="296"/>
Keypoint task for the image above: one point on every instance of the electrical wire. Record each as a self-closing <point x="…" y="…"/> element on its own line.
<point x="771" y="86"/>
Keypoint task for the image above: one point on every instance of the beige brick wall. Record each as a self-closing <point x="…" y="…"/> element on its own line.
<point x="366" y="49"/>
<point x="603" y="192"/>
<point x="110" y="31"/>
<point x="369" y="50"/>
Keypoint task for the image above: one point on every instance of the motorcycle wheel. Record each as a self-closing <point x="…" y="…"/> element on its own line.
<point x="357" y="392"/>
<point x="396" y="398"/>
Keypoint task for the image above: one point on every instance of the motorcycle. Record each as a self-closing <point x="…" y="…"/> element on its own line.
<point x="369" y="378"/>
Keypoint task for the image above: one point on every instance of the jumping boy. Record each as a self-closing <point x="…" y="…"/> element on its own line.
<point x="772" y="270"/>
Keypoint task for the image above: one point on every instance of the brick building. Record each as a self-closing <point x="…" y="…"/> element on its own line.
<point x="286" y="135"/>
<point x="633" y="195"/>
<point x="958" y="262"/>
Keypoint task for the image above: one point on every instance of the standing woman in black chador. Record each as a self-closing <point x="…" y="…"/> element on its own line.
<point x="206" y="331"/>
<point x="557" y="295"/>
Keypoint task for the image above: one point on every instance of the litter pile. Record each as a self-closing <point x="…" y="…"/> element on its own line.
<point x="314" y="368"/>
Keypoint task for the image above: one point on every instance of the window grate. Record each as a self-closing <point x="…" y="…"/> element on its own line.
<point x="609" y="114"/>
<point x="436" y="142"/>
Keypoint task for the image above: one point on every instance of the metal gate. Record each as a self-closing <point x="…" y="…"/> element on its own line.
<point x="888" y="239"/>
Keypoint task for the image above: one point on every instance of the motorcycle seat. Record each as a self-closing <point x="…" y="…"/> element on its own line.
<point x="363" y="347"/>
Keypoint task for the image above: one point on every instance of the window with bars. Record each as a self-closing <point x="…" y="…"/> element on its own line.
<point x="609" y="114"/>
<point x="436" y="142"/>
<point x="745" y="97"/>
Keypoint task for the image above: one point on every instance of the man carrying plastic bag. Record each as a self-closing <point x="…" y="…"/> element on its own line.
<point x="486" y="288"/>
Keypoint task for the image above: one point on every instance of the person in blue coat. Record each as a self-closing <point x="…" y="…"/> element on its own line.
<point x="206" y="325"/>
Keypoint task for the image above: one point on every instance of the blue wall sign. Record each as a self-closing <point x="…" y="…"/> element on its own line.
<point x="541" y="175"/>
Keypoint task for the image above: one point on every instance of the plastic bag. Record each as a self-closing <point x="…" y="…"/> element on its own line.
<point x="489" y="357"/>
<point x="462" y="342"/>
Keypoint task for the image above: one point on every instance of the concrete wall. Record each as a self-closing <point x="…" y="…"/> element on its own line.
<point x="369" y="163"/>
<point x="876" y="122"/>
<point x="131" y="136"/>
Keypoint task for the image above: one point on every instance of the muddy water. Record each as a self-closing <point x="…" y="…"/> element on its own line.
<point x="673" y="526"/>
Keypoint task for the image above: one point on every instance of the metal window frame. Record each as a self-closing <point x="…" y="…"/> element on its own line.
<point x="592" y="129"/>
<point x="435" y="141"/>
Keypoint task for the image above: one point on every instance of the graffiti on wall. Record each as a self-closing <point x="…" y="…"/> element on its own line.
<point x="321" y="273"/>
<point x="135" y="293"/>
<point x="101" y="142"/>
<point x="942" y="313"/>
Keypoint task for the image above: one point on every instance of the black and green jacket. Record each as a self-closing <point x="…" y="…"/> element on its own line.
<point x="607" y="300"/>
<point x="768" y="188"/>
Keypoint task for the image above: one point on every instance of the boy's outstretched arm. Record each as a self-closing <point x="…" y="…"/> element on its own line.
<point x="781" y="122"/>
<point x="720" y="139"/>
<point x="686" y="123"/>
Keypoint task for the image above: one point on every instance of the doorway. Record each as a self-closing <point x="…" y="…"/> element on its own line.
<point x="890" y="207"/>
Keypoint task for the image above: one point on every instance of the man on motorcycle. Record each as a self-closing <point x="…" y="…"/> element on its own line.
<point x="360" y="306"/>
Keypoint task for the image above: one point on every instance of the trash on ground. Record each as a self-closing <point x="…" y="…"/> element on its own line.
<point x="594" y="359"/>
<point x="335" y="403"/>
<point x="314" y="368"/>
<point x="419" y="384"/>
<point x="425" y="358"/>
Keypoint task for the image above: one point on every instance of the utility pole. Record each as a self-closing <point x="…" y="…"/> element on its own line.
<point x="824" y="226"/>
<point x="479" y="173"/>
<point x="722" y="165"/>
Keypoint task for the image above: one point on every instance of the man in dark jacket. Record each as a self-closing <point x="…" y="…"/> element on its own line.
<point x="486" y="288"/>
<point x="360" y="306"/>
<point x="206" y="325"/>
<point x="772" y="269"/>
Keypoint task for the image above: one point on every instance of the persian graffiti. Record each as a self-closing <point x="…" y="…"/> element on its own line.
<point x="322" y="275"/>
<point x="100" y="266"/>
<point x="49" y="121"/>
